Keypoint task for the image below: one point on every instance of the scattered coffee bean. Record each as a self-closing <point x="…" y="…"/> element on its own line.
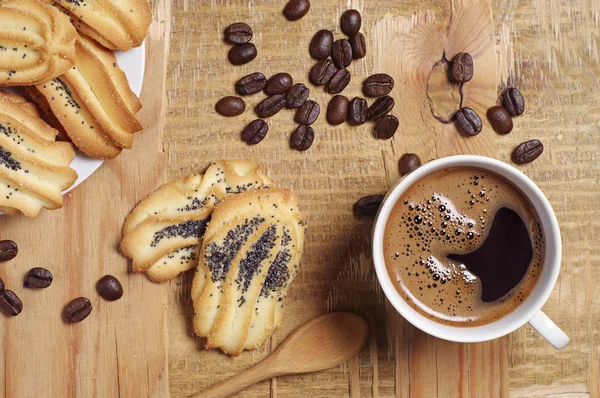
<point x="408" y="162"/>
<point x="381" y="107"/>
<point x="386" y="127"/>
<point x="468" y="122"/>
<point x="337" y="110"/>
<point x="321" y="44"/>
<point x="527" y="152"/>
<point x="251" y="84"/>
<point x="109" y="288"/>
<point x="302" y="138"/>
<point x="322" y="72"/>
<point x="357" y="111"/>
<point x="378" y="85"/>
<point x="38" y="278"/>
<point x="241" y="54"/>
<point x="238" y="33"/>
<point x="296" y="9"/>
<point x="77" y="310"/>
<point x="8" y="250"/>
<point x="10" y="303"/>
<point x="339" y="81"/>
<point x="368" y="205"/>
<point x="270" y="106"/>
<point x="461" y="69"/>
<point x="500" y="119"/>
<point x="341" y="53"/>
<point x="358" y="45"/>
<point x="230" y="106"/>
<point x="1" y="285"/>
<point x="307" y="113"/>
<point x="254" y="132"/>
<point x="351" y="21"/>
<point x="279" y="83"/>
<point x="513" y="101"/>
<point x="297" y="96"/>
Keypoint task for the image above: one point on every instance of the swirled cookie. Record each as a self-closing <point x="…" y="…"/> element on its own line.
<point x="37" y="43"/>
<point x="163" y="232"/>
<point x="92" y="101"/>
<point x="34" y="168"/>
<point x="250" y="254"/>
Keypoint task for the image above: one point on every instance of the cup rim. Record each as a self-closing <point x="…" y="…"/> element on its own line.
<point x="520" y="315"/>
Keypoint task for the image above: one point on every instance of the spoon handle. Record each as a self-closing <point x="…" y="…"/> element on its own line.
<point x="226" y="388"/>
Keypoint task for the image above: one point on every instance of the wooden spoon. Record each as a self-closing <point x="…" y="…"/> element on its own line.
<point x="319" y="344"/>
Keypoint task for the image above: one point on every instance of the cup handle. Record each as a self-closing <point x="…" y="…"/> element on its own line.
<point x="549" y="330"/>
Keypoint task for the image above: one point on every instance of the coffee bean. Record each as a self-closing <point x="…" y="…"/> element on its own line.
<point x="368" y="205"/>
<point x="77" y="310"/>
<point x="351" y="21"/>
<point x="296" y="9"/>
<point x="297" y="96"/>
<point x="242" y="53"/>
<point x="238" y="33"/>
<point x="307" y="113"/>
<point x="386" y="127"/>
<point x="527" y="152"/>
<point x="279" y="83"/>
<point x="109" y="288"/>
<point x="341" y="53"/>
<point x="38" y="278"/>
<point x="251" y="84"/>
<point x="302" y="138"/>
<point x="408" y="162"/>
<point x="1" y="285"/>
<point x="378" y="85"/>
<point x="8" y="250"/>
<point x="381" y="107"/>
<point x="500" y="119"/>
<point x="337" y="110"/>
<point x="254" y="132"/>
<point x="10" y="303"/>
<point x="322" y="72"/>
<point x="513" y="101"/>
<point x="461" y="69"/>
<point x="358" y="45"/>
<point x="230" y="106"/>
<point x="468" y="122"/>
<point x="321" y="44"/>
<point x="357" y="111"/>
<point x="339" y="81"/>
<point x="270" y="106"/>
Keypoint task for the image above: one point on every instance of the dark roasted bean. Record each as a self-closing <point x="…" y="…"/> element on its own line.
<point x="307" y="113"/>
<point x="408" y="162"/>
<point x="8" y="250"/>
<point x="254" y="132"/>
<point x="339" y="81"/>
<point x="341" y="53"/>
<point x="230" y="106"/>
<point x="513" y="101"/>
<point x="500" y="119"/>
<point x="368" y="205"/>
<point x="10" y="303"/>
<point x="238" y="33"/>
<point x="1" y="285"/>
<point x="350" y="22"/>
<point x="322" y="72"/>
<point x="378" y="85"/>
<point x="279" y="83"/>
<point x="302" y="138"/>
<point x="321" y="44"/>
<point x="297" y="96"/>
<point x="381" y="107"/>
<point x="468" y="122"/>
<point x="527" y="152"/>
<point x="270" y="106"/>
<point x="358" y="45"/>
<point x="77" y="310"/>
<point x="357" y="111"/>
<point x="251" y="84"/>
<point x="242" y="53"/>
<point x="461" y="69"/>
<point x="337" y="110"/>
<point x="386" y="127"/>
<point x="296" y="9"/>
<point x="38" y="278"/>
<point x="109" y="288"/>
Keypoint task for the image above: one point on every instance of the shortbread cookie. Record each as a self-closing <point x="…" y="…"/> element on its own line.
<point x="37" y="42"/>
<point x="92" y="102"/>
<point x="34" y="168"/>
<point x="163" y="233"/>
<point x="250" y="254"/>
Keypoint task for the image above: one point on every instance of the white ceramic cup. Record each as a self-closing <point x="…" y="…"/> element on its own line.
<point x="530" y="309"/>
